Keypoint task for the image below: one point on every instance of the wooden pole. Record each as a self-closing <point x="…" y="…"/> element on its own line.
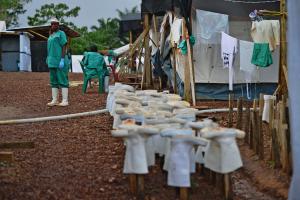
<point x="6" y="157"/>
<point x="187" y="74"/>
<point x="17" y="145"/>
<point x="184" y="193"/>
<point x="260" y="127"/>
<point x="247" y="125"/>
<point x="133" y="183"/>
<point x="130" y="46"/>
<point x="283" y="47"/>
<point x="141" y="186"/>
<point x="147" y="65"/>
<point x="190" y="62"/>
<point x="255" y="125"/>
<point x="230" y="105"/>
<point x="174" y="70"/>
<point x="227" y="186"/>
<point x="239" y="124"/>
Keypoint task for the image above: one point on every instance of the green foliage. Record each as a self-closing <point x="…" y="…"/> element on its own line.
<point x="11" y="9"/>
<point x="61" y="11"/>
<point x="105" y="36"/>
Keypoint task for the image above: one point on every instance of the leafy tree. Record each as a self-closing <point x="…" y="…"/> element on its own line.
<point x="11" y="9"/>
<point x="61" y="11"/>
<point x="105" y="36"/>
<point x="127" y="11"/>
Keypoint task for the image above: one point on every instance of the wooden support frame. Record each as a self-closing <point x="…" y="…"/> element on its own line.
<point x="239" y="123"/>
<point x="7" y="157"/>
<point x="260" y="127"/>
<point x="230" y="113"/>
<point x="147" y="75"/>
<point x="17" y="145"/>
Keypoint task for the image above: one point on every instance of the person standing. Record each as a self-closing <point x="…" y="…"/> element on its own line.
<point x="57" y="64"/>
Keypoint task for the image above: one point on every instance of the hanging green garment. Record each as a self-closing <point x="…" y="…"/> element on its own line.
<point x="262" y="55"/>
<point x="183" y="45"/>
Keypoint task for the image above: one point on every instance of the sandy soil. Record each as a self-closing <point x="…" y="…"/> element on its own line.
<point x="78" y="158"/>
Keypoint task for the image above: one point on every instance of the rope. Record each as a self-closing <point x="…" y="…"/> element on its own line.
<point x="253" y="2"/>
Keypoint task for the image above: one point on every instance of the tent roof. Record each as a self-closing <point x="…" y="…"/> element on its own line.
<point x="42" y="32"/>
<point x="236" y="8"/>
<point x="131" y="17"/>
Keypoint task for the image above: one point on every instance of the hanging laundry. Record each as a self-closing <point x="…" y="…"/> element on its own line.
<point x="229" y="47"/>
<point x="249" y="70"/>
<point x="176" y="31"/>
<point x="183" y="45"/>
<point x="266" y="31"/>
<point x="209" y="25"/>
<point x="255" y="17"/>
<point x="261" y="56"/>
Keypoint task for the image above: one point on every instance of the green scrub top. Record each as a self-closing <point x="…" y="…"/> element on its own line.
<point x="93" y="60"/>
<point x="55" y="44"/>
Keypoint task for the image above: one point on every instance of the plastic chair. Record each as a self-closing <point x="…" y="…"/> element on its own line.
<point x="87" y="77"/>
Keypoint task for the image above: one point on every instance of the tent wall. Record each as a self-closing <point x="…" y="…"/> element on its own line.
<point x="235" y="9"/>
<point x="39" y="55"/>
<point x="10" y="52"/>
<point x="208" y="63"/>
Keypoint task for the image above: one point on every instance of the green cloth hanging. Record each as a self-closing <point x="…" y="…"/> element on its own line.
<point x="183" y="45"/>
<point x="261" y="56"/>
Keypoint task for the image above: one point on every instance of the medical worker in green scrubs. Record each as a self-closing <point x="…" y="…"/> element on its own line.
<point x="58" y="64"/>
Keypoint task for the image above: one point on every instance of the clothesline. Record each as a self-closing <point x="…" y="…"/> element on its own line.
<point x="253" y="2"/>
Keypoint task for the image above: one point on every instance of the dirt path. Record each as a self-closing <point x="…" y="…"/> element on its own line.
<point x="78" y="158"/>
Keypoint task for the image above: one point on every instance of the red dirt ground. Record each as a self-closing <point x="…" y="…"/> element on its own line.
<point x="78" y="158"/>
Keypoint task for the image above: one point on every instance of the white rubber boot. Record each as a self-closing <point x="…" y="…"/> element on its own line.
<point x="64" y="97"/>
<point x="54" y="101"/>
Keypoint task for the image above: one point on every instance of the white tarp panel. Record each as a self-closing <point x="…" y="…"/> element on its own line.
<point x="121" y="50"/>
<point x="209" y="25"/>
<point x="2" y="26"/>
<point x="75" y="63"/>
<point x="25" y="53"/>
<point x="208" y="62"/>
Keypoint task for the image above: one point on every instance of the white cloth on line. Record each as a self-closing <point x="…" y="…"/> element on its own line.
<point x="229" y="47"/>
<point x="209" y="25"/>
<point x="176" y="31"/>
<point x="249" y="70"/>
<point x="266" y="111"/>
<point x="266" y="31"/>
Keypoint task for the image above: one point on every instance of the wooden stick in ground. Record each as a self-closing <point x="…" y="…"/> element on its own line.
<point x="271" y="125"/>
<point x="285" y="134"/>
<point x="227" y="187"/>
<point x="255" y="125"/>
<point x="239" y="124"/>
<point x="17" y="145"/>
<point x="190" y="62"/>
<point x="141" y="186"/>
<point x="276" y="141"/>
<point x="247" y="125"/>
<point x="147" y="65"/>
<point x="133" y="183"/>
<point x="184" y="193"/>
<point x="230" y="105"/>
<point x="174" y="70"/>
<point x="283" y="138"/>
<point x="6" y="157"/>
<point x="260" y="127"/>
<point x="187" y="78"/>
